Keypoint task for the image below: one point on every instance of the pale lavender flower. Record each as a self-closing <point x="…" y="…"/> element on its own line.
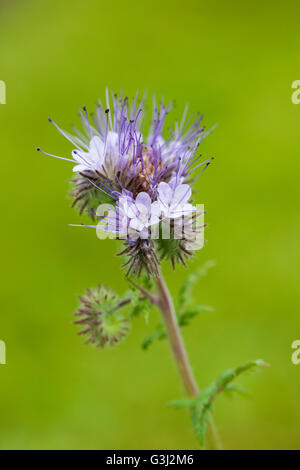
<point x="173" y="200"/>
<point x="147" y="179"/>
<point x="133" y="217"/>
<point x="143" y="213"/>
<point x="112" y="146"/>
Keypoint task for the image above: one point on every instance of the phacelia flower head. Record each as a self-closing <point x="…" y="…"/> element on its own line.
<point x="145" y="176"/>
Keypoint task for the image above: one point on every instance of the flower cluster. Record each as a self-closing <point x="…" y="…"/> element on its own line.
<point x="147" y="179"/>
<point x="133" y="217"/>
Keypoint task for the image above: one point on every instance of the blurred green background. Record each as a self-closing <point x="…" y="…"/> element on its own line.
<point x="235" y="64"/>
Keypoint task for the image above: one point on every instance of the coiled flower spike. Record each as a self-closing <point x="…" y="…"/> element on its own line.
<point x="99" y="316"/>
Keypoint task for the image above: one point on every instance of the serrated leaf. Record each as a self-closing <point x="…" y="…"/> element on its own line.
<point x="184" y="295"/>
<point x="185" y="318"/>
<point x="140" y="305"/>
<point x="200" y="418"/>
<point x="208" y="395"/>
<point x="142" y="308"/>
<point x="159" y="334"/>
<point x="231" y="374"/>
<point x="188" y="402"/>
<point x="202" y="406"/>
<point x="235" y="388"/>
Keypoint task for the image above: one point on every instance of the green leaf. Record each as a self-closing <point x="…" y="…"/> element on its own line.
<point x="231" y="374"/>
<point x="235" y="388"/>
<point x="185" y="318"/>
<point x="202" y="406"/>
<point x="200" y="419"/>
<point x="185" y="291"/>
<point x="208" y="395"/>
<point x="159" y="334"/>
<point x="140" y="305"/>
<point x="183" y="403"/>
<point x="142" y="308"/>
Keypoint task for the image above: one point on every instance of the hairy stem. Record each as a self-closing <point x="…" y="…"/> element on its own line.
<point x="174" y="335"/>
<point x="166" y="306"/>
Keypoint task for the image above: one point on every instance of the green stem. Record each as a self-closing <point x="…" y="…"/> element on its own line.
<point x="166" y="306"/>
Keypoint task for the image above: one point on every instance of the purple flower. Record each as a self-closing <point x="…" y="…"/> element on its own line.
<point x="146" y="176"/>
<point x="143" y="213"/>
<point x="113" y="147"/>
<point x="117" y="220"/>
<point x="173" y="200"/>
<point x="133" y="217"/>
<point x="92" y="159"/>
